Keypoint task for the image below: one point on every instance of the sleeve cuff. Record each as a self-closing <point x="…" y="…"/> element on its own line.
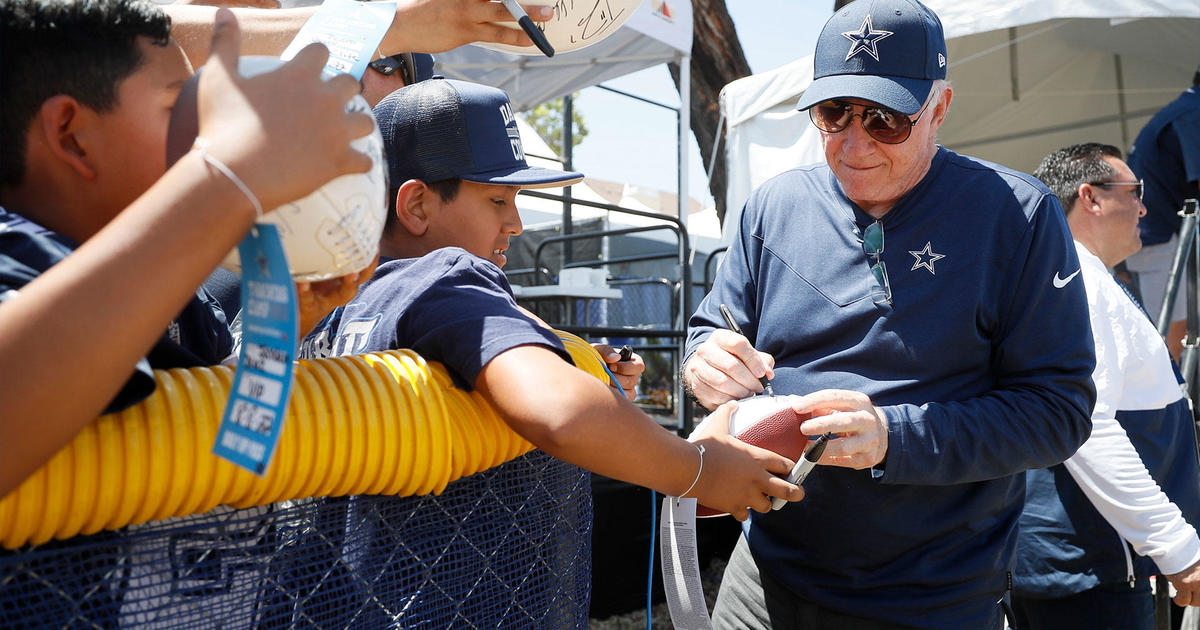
<point x="895" y="442"/>
<point x="1177" y="560"/>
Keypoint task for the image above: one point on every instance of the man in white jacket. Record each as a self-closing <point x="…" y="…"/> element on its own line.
<point x="1135" y="482"/>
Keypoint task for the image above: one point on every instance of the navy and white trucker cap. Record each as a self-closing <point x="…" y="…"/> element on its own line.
<point x="884" y="51"/>
<point x="444" y="129"/>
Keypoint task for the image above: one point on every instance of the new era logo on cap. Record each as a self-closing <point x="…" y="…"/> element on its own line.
<point x="445" y="129"/>
<point x="885" y="51"/>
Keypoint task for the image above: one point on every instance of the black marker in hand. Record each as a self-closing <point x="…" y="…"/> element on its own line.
<point x="806" y="464"/>
<point x="729" y="321"/>
<point x="527" y="25"/>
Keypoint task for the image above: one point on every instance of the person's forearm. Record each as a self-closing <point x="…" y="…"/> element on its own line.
<point x="70" y="339"/>
<point x="429" y="26"/>
<point x="264" y="31"/>
<point x="1002" y="433"/>
<point x="1116" y="481"/>
<point x="578" y="419"/>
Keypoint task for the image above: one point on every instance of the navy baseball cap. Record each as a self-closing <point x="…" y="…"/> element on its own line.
<point x="884" y="51"/>
<point x="444" y="129"/>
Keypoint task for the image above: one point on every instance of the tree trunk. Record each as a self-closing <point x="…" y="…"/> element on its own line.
<point x="717" y="59"/>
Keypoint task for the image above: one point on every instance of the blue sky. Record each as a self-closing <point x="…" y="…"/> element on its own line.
<point x="634" y="142"/>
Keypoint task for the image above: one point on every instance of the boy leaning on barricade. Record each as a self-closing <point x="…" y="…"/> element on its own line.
<point x="88" y="88"/>
<point x="93" y="223"/>
<point x="102" y="248"/>
<point x="94" y="292"/>
<point x="455" y="165"/>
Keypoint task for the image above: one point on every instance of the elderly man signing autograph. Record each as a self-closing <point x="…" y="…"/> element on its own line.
<point x="927" y="307"/>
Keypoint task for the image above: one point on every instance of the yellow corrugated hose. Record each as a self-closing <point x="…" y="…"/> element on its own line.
<point x="379" y="423"/>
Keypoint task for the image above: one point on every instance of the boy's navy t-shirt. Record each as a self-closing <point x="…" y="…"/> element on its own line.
<point x="448" y="306"/>
<point x="199" y="336"/>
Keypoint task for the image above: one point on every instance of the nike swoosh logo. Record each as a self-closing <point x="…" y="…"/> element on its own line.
<point x="1062" y="282"/>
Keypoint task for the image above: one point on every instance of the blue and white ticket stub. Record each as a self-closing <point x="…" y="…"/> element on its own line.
<point x="351" y="31"/>
<point x="254" y="414"/>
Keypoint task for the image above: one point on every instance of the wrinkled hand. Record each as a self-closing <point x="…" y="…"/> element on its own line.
<point x="861" y="427"/>
<point x="284" y="133"/>
<point x="726" y="367"/>
<point x="1187" y="583"/>
<point x="628" y="373"/>
<point x="434" y="26"/>
<point x="738" y="477"/>
<point x="318" y="299"/>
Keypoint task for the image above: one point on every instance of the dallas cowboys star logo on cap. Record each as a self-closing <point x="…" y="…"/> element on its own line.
<point x="865" y="39"/>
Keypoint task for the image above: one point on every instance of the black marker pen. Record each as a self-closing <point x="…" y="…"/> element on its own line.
<point x="729" y="321"/>
<point x="527" y="25"/>
<point x="806" y="464"/>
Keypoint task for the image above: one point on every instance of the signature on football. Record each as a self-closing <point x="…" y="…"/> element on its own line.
<point x="594" y="17"/>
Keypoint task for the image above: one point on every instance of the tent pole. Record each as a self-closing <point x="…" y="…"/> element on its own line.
<point x="685" y="127"/>
<point x="684" y="406"/>
<point x="568" y="142"/>
<point x="1120" y="76"/>
<point x="1012" y="63"/>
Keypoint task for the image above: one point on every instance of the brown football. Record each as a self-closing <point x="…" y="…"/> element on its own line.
<point x="762" y="422"/>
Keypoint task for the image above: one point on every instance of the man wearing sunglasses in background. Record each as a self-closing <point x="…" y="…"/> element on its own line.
<point x="1074" y="568"/>
<point x="927" y="307"/>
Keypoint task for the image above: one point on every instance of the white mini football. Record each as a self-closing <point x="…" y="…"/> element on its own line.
<point x="332" y="232"/>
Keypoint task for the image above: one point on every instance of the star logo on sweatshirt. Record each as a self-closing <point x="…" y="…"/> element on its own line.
<point x="865" y="39"/>
<point x="925" y="258"/>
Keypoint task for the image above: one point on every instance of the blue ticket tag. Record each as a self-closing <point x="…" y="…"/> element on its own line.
<point x="351" y="30"/>
<point x="254" y="414"/>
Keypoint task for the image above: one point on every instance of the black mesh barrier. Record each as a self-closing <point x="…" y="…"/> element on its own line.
<point x="506" y="548"/>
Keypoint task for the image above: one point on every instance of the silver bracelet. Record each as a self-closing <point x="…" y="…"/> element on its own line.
<point x="700" y="449"/>
<point x="201" y="144"/>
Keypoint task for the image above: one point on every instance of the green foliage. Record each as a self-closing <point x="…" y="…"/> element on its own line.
<point x="547" y="119"/>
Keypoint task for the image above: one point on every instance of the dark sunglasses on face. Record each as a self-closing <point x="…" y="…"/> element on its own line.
<point x="885" y="125"/>
<point x="872" y="244"/>
<point x="1138" y="190"/>
<point x="387" y="66"/>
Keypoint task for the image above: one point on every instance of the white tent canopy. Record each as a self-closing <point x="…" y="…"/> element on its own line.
<point x="659" y="31"/>
<point x="651" y="36"/>
<point x="1029" y="76"/>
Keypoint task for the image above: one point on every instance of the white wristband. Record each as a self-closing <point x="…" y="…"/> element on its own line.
<point x="700" y="449"/>
<point x="201" y="144"/>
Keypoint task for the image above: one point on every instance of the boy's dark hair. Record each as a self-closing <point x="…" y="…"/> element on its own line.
<point x="81" y="48"/>
<point x="1065" y="169"/>
<point x="447" y="189"/>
